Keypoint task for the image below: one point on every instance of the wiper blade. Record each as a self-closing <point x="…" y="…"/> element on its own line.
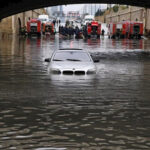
<point x="73" y="59"/>
<point x="57" y="60"/>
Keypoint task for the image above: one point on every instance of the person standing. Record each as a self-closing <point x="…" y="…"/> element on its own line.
<point x="103" y="32"/>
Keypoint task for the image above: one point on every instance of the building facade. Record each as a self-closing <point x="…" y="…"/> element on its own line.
<point x="11" y="25"/>
<point x="73" y="15"/>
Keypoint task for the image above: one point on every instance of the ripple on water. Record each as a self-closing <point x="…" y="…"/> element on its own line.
<point x="107" y="111"/>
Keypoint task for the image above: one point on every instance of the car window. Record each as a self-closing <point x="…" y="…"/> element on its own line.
<point x="71" y="56"/>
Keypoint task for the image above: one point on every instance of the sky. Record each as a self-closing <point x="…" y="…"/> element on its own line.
<point x="77" y="7"/>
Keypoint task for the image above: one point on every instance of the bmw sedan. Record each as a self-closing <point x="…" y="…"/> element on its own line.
<point x="71" y="61"/>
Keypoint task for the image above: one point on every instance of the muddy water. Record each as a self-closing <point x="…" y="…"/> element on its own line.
<point x="106" y="111"/>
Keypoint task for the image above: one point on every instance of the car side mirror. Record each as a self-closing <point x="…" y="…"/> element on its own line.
<point x="96" y="60"/>
<point x="47" y="60"/>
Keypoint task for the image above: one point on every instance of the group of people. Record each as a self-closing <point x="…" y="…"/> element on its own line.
<point x="69" y="30"/>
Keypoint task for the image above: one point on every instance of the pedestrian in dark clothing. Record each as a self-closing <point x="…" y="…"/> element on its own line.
<point x="57" y="22"/>
<point x="69" y="31"/>
<point x="103" y="32"/>
<point x="54" y="21"/>
<point x="76" y="30"/>
<point x="85" y="31"/>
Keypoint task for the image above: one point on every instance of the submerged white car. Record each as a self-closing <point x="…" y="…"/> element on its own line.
<point x="71" y="61"/>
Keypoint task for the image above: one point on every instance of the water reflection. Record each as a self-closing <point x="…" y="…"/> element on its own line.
<point x="109" y="110"/>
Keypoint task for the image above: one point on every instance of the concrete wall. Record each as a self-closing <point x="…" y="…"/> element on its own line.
<point x="6" y="26"/>
<point x="10" y="25"/>
<point x="147" y="14"/>
<point x="131" y="13"/>
<point x="100" y="18"/>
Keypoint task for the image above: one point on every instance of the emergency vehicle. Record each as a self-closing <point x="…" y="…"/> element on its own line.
<point x="88" y="19"/>
<point x="117" y="30"/>
<point x="48" y="28"/>
<point x="34" y="27"/>
<point x="136" y="30"/>
<point x="125" y="29"/>
<point x="93" y="29"/>
<point x="43" y="18"/>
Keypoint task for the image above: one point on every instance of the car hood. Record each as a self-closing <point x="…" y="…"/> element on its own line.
<point x="72" y="65"/>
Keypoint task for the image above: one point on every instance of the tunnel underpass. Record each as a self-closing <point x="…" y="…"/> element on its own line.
<point x="8" y="7"/>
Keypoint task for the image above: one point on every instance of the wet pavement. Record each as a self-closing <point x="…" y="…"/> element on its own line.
<point x="106" y="111"/>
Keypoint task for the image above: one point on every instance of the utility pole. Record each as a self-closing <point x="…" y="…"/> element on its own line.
<point x="99" y="9"/>
<point x="95" y="8"/>
<point x="145" y="19"/>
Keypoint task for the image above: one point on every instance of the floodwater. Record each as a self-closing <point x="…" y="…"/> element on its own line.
<point x="106" y="111"/>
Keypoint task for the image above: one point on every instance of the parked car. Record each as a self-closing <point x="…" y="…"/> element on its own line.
<point x="71" y="61"/>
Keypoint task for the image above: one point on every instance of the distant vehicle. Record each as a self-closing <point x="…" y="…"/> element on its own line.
<point x="117" y="30"/>
<point x="71" y="61"/>
<point x="48" y="28"/>
<point x="125" y="29"/>
<point x="78" y="21"/>
<point x="43" y="18"/>
<point x="34" y="27"/>
<point x="136" y="30"/>
<point x="88" y="19"/>
<point x="93" y="29"/>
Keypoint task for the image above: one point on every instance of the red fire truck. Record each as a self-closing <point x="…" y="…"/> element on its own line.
<point x="48" y="28"/>
<point x="125" y="29"/>
<point x="117" y="30"/>
<point x="111" y="30"/>
<point x="135" y="30"/>
<point x="93" y="29"/>
<point x="34" y="27"/>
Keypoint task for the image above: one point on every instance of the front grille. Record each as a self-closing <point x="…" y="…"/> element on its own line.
<point x="68" y="72"/>
<point x="33" y="29"/>
<point x="79" y="72"/>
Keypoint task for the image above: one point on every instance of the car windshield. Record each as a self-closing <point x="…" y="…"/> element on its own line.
<point x="88" y="19"/>
<point x="71" y="56"/>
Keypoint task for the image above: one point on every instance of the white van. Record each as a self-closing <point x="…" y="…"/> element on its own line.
<point x="43" y="18"/>
<point x="88" y="19"/>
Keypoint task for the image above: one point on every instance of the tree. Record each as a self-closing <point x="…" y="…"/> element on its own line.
<point x="115" y="8"/>
<point x="99" y="13"/>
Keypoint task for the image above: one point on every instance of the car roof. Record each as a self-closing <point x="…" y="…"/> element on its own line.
<point x="70" y="49"/>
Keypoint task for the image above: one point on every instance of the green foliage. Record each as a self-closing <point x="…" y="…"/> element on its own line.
<point x="115" y="8"/>
<point x="99" y="13"/>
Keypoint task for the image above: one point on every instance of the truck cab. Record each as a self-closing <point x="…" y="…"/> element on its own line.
<point x="34" y="27"/>
<point x="93" y="29"/>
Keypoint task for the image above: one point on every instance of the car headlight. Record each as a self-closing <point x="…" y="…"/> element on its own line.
<point x="55" y="71"/>
<point x="91" y="71"/>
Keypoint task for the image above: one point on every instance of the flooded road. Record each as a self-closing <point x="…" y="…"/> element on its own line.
<point x="106" y="111"/>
